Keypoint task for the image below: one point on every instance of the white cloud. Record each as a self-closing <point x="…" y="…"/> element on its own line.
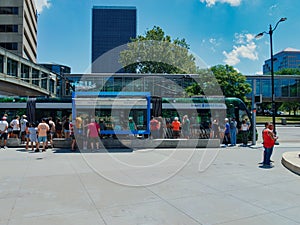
<point x="213" y="41"/>
<point x="214" y="44"/>
<point x="246" y="48"/>
<point x="273" y="9"/>
<point x="211" y="3"/>
<point x="41" y="4"/>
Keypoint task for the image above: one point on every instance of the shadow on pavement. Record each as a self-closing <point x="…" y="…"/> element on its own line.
<point x="117" y="150"/>
<point x="266" y="166"/>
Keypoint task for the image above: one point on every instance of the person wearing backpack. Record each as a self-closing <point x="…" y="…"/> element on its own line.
<point x="233" y="131"/>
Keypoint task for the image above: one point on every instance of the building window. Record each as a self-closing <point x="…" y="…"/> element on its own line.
<point x="12" y="67"/>
<point x="1" y="63"/>
<point x="9" y="10"/>
<point x="35" y="77"/>
<point x="293" y="88"/>
<point x="44" y="78"/>
<point x="285" y="88"/>
<point x="25" y="73"/>
<point x="9" y="45"/>
<point x="9" y="28"/>
<point x="51" y="86"/>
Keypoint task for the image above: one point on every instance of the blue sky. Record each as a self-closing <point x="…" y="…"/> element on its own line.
<point x="218" y="31"/>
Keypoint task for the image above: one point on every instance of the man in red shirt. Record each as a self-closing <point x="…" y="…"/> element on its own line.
<point x="154" y="127"/>
<point x="93" y="133"/>
<point x="176" y="128"/>
<point x="269" y="139"/>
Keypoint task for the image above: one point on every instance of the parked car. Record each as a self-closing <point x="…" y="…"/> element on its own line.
<point x="268" y="112"/>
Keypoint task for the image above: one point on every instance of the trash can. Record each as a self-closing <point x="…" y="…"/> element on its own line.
<point x="283" y="121"/>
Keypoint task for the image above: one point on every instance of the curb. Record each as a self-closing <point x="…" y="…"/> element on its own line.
<point x="291" y="161"/>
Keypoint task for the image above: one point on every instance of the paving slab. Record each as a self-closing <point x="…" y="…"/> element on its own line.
<point x="223" y="186"/>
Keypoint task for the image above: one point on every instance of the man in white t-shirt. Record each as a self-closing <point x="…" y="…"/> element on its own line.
<point x="3" y="132"/>
<point x="15" y="124"/>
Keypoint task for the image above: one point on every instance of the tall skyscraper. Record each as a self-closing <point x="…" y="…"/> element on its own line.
<point x="286" y="59"/>
<point x="18" y="27"/>
<point x="112" y="27"/>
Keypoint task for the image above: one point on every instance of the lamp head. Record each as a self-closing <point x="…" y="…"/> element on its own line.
<point x="283" y="19"/>
<point x="259" y="35"/>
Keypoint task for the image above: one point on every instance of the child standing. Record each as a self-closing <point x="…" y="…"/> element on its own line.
<point x="33" y="136"/>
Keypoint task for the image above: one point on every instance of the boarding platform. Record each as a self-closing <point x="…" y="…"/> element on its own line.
<point x="13" y="142"/>
<point x="145" y="143"/>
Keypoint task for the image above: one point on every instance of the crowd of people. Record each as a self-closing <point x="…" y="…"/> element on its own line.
<point x="183" y="128"/>
<point x="36" y="134"/>
<point x="44" y="131"/>
<point x="87" y="132"/>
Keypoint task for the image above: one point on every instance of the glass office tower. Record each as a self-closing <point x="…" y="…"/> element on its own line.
<point x="289" y="58"/>
<point x="112" y="27"/>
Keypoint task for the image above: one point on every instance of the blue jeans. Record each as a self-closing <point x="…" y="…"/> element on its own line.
<point x="233" y="136"/>
<point x="267" y="155"/>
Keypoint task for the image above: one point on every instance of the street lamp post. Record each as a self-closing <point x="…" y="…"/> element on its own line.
<point x="271" y="30"/>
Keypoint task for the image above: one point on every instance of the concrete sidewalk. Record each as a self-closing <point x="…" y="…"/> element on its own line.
<point x="162" y="186"/>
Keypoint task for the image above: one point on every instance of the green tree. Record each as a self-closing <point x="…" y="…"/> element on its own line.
<point x="288" y="71"/>
<point x="290" y="106"/>
<point x="155" y="52"/>
<point x="231" y="82"/>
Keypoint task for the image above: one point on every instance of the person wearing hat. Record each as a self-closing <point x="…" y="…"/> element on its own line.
<point x="131" y="124"/>
<point x="3" y="132"/>
<point x="23" y="123"/>
<point x="176" y="127"/>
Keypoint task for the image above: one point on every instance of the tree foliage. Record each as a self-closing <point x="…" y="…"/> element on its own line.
<point x="231" y="82"/>
<point x="290" y="107"/>
<point x="288" y="71"/>
<point x="155" y="52"/>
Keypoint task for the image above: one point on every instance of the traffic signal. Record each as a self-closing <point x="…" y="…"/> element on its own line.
<point x="258" y="99"/>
